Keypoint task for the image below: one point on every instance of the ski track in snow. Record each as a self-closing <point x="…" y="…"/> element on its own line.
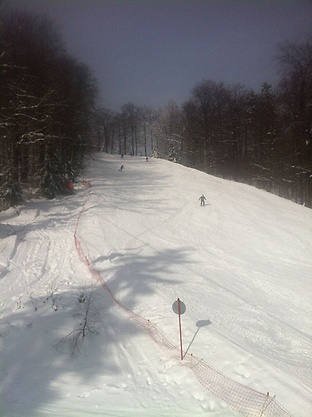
<point x="149" y="258"/>
<point x="260" y="340"/>
<point x="39" y="255"/>
<point x="269" y="332"/>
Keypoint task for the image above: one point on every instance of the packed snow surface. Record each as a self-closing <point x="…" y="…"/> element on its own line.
<point x="241" y="265"/>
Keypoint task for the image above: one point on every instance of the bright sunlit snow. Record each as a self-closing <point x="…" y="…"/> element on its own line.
<point x="241" y="265"/>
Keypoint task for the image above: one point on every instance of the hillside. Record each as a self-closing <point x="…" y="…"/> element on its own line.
<point x="131" y="244"/>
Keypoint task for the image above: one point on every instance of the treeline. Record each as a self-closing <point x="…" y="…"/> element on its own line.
<point x="263" y="139"/>
<point x="47" y="99"/>
<point x="49" y="120"/>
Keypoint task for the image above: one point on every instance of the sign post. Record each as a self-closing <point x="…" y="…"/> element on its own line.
<point x="179" y="308"/>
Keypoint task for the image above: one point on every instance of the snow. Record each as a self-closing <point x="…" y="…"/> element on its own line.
<point x="138" y="240"/>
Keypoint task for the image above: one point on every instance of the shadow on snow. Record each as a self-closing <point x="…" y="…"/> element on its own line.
<point x="42" y="331"/>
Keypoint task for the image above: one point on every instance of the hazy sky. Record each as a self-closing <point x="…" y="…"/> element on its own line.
<point x="152" y="51"/>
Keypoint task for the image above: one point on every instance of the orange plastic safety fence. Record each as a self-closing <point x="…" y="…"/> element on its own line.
<point x="244" y="400"/>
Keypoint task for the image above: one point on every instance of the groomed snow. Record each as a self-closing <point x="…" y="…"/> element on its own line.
<point x="242" y="265"/>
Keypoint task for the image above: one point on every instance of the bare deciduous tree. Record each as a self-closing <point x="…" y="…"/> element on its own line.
<point x="46" y="99"/>
<point x="87" y="318"/>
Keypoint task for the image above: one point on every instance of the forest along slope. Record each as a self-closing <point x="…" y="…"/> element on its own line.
<point x="241" y="264"/>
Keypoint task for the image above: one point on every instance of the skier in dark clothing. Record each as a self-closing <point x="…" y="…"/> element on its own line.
<point x="121" y="168"/>
<point x="202" y="199"/>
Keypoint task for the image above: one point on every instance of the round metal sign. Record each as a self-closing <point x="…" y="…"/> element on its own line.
<point x="175" y="307"/>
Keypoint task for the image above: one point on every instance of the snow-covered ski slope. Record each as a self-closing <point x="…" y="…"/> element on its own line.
<point x="242" y="265"/>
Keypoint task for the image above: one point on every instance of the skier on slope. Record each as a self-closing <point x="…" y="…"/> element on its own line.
<point x="202" y="199"/>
